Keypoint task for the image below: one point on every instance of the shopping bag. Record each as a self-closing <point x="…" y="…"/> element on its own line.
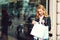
<point x="40" y="31"/>
<point x="46" y="34"/>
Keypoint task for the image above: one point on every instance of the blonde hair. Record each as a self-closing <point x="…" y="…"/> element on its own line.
<point x="39" y="6"/>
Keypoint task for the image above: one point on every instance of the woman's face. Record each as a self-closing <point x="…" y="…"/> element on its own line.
<point x="40" y="12"/>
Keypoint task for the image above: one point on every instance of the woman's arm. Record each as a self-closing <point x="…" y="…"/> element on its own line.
<point x="34" y="22"/>
<point x="49" y="23"/>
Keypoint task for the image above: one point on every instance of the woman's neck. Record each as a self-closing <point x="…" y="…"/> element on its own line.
<point x="41" y="16"/>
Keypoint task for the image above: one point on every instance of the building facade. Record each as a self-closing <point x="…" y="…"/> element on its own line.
<point x="55" y="14"/>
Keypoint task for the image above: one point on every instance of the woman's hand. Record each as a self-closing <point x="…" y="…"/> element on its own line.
<point x="34" y="22"/>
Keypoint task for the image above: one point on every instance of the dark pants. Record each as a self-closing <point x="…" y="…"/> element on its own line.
<point x="4" y="33"/>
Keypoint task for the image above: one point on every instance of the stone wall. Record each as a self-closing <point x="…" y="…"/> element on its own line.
<point x="58" y="19"/>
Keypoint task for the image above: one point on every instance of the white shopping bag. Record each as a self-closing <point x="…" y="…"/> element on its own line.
<point x="46" y="34"/>
<point x="40" y="31"/>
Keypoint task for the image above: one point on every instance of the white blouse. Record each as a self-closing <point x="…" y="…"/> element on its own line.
<point x="41" y="18"/>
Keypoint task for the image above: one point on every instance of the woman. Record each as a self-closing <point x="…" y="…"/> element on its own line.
<point x="42" y="18"/>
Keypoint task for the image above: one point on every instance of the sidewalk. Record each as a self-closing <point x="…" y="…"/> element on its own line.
<point x="9" y="37"/>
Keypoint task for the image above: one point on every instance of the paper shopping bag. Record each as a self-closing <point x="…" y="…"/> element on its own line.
<point x="38" y="30"/>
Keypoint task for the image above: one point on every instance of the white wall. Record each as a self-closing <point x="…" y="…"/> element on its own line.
<point x="52" y="11"/>
<point x="58" y="19"/>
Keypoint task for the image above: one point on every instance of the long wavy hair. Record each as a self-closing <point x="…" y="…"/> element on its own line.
<point x="39" y="6"/>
